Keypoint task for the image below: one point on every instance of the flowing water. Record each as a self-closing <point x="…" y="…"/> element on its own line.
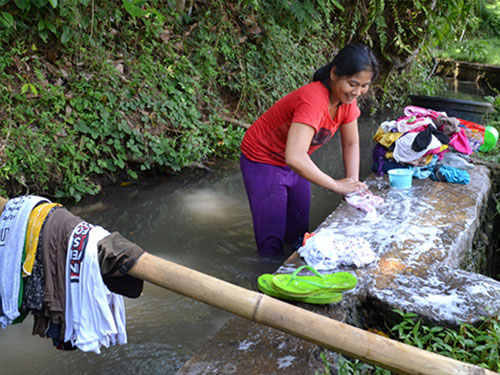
<point x="198" y="219"/>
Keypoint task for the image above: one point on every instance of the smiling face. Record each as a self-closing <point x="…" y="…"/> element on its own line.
<point x="348" y="88"/>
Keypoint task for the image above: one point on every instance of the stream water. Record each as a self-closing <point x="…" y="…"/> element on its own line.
<point x="198" y="219"/>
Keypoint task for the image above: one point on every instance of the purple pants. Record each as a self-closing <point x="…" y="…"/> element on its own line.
<point x="279" y="200"/>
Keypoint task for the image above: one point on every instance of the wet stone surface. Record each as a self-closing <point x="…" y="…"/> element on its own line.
<point x="244" y="347"/>
<point x="423" y="238"/>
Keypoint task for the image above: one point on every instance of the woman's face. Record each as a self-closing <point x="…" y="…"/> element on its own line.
<point x="348" y="88"/>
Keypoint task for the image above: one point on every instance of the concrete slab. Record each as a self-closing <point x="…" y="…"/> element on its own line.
<point x="423" y="237"/>
<point x="244" y="347"/>
<point x="426" y="263"/>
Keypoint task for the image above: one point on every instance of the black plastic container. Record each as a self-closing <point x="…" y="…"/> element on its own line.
<point x="464" y="109"/>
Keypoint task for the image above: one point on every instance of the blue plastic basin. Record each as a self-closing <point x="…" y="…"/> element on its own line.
<point x="400" y="177"/>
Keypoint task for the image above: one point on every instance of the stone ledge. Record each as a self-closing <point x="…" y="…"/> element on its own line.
<point x="422" y="236"/>
<point x="473" y="72"/>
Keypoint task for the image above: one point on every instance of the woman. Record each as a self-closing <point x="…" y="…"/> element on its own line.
<point x="275" y="162"/>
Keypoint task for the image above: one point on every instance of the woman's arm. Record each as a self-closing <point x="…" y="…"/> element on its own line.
<point x="350" y="149"/>
<point x="298" y="142"/>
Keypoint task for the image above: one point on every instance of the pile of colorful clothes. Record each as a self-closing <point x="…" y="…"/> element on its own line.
<point x="428" y="142"/>
<point x="71" y="275"/>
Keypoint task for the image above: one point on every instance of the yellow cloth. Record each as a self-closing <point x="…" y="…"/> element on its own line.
<point x="35" y="222"/>
<point x="384" y="138"/>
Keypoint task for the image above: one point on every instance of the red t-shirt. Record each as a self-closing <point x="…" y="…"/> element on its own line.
<point x="265" y="140"/>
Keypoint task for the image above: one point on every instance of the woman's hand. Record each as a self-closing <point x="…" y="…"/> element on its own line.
<point x="348" y="185"/>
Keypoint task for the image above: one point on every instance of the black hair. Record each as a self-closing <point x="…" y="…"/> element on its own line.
<point x="350" y="60"/>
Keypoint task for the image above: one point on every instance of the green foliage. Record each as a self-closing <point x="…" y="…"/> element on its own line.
<point x="107" y="90"/>
<point x="416" y="80"/>
<point x="488" y="23"/>
<point x="479" y="41"/>
<point x="475" y="345"/>
<point x="477" y="50"/>
<point x="404" y="35"/>
<point x="470" y="344"/>
<point x="144" y="91"/>
<point x="348" y="366"/>
<point x="326" y="364"/>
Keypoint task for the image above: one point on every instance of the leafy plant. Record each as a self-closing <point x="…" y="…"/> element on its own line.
<point x="109" y="90"/>
<point x="470" y="344"/>
<point x="475" y="345"/>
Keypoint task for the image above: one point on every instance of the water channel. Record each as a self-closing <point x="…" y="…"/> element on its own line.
<point x="199" y="219"/>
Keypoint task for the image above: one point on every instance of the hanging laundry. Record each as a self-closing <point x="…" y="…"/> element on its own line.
<point x="35" y="222"/>
<point x="58" y="267"/>
<point x="95" y="316"/>
<point x="34" y="285"/>
<point x="56" y="233"/>
<point x="116" y="256"/>
<point x="13" y="223"/>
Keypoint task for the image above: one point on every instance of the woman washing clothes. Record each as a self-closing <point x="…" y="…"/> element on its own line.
<point x="275" y="161"/>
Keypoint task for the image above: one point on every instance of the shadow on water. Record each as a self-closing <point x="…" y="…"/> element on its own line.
<point x="198" y="219"/>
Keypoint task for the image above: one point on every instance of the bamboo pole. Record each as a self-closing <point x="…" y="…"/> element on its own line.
<point x="318" y="329"/>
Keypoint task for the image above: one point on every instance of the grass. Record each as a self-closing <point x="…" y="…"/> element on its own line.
<point x="477" y="50"/>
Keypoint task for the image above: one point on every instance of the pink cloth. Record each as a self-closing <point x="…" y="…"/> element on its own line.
<point x="460" y="142"/>
<point x="365" y="201"/>
<point x="412" y="110"/>
<point x="410" y="123"/>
